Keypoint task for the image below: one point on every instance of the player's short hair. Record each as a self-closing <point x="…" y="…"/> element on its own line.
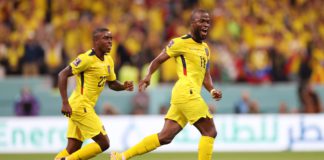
<point x="195" y="12"/>
<point x="97" y="31"/>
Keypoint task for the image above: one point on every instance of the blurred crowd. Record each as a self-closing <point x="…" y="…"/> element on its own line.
<point x="254" y="41"/>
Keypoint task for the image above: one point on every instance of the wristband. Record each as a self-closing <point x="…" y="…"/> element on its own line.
<point x="213" y="90"/>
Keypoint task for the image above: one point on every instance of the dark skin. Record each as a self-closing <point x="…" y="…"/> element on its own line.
<point x="102" y="44"/>
<point x="198" y="30"/>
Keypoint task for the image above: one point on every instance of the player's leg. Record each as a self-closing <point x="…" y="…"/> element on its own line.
<point x="170" y="129"/>
<point x="149" y="143"/>
<point x="72" y="146"/>
<point x="197" y="113"/>
<point x="102" y="140"/>
<point x="92" y="149"/>
<point x="208" y="131"/>
<point x="208" y="134"/>
<point x="206" y="127"/>
<point x="174" y="122"/>
<point x="74" y="140"/>
<point x="91" y="127"/>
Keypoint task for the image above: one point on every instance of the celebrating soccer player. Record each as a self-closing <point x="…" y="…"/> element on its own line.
<point x="192" y="56"/>
<point x="92" y="69"/>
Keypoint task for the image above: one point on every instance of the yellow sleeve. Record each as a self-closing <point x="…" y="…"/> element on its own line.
<point x="111" y="70"/>
<point x="173" y="49"/>
<point x="80" y="64"/>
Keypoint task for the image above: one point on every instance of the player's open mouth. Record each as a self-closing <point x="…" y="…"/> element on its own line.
<point x="204" y="31"/>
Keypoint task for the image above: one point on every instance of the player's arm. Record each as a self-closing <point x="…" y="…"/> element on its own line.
<point x="155" y="64"/>
<point x="62" y="84"/>
<point x="118" y="86"/>
<point x="208" y="84"/>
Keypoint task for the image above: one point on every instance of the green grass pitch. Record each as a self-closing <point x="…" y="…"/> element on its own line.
<point x="189" y="156"/>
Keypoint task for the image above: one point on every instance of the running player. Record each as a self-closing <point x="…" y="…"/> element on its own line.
<point x="93" y="69"/>
<point x="187" y="105"/>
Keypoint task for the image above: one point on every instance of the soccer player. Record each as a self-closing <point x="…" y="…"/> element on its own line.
<point x="192" y="56"/>
<point x="93" y="69"/>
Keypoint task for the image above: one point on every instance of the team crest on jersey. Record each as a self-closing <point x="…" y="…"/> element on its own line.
<point x="77" y="61"/>
<point x="170" y="43"/>
<point x="207" y="52"/>
<point x="109" y="69"/>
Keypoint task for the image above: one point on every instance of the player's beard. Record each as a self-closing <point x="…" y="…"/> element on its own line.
<point x="105" y="49"/>
<point x="199" y="35"/>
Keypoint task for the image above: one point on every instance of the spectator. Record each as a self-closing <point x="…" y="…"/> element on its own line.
<point x="277" y="61"/>
<point x="109" y="109"/>
<point x="254" y="107"/>
<point x="138" y="110"/>
<point x="310" y="101"/>
<point x="140" y="103"/>
<point x="212" y="108"/>
<point x="27" y="104"/>
<point x="272" y="35"/>
<point x="163" y="109"/>
<point x="242" y="106"/>
<point x="283" y="108"/>
<point x="33" y="58"/>
<point x="246" y="104"/>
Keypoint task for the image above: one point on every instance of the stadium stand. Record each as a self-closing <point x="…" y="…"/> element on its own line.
<point x="274" y="44"/>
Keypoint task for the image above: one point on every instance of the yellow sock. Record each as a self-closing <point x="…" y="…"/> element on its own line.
<point x="62" y="154"/>
<point x="86" y="152"/>
<point x="205" y="149"/>
<point x="148" y="144"/>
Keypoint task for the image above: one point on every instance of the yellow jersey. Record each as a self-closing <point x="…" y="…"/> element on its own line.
<point x="91" y="76"/>
<point x="192" y="61"/>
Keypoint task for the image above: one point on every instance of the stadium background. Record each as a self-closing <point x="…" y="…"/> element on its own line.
<point x="269" y="52"/>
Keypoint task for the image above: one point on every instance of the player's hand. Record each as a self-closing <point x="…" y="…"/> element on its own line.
<point x="129" y="86"/>
<point x="66" y="110"/>
<point x="216" y="94"/>
<point x="144" y="83"/>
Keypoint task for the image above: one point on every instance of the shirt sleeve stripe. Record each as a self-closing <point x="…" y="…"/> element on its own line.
<point x="184" y="65"/>
<point x="82" y="81"/>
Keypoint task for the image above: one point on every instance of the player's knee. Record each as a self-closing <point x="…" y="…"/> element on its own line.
<point x="210" y="133"/>
<point x="104" y="145"/>
<point x="214" y="134"/>
<point x="71" y="149"/>
<point x="165" y="139"/>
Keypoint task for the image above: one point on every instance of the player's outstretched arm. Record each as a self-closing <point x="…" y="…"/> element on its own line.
<point x="155" y="64"/>
<point x="118" y="86"/>
<point x="62" y="84"/>
<point x="208" y="84"/>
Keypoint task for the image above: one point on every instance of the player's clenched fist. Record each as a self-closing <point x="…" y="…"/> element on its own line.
<point x="216" y="94"/>
<point x="66" y="109"/>
<point x="144" y="83"/>
<point x="129" y="86"/>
